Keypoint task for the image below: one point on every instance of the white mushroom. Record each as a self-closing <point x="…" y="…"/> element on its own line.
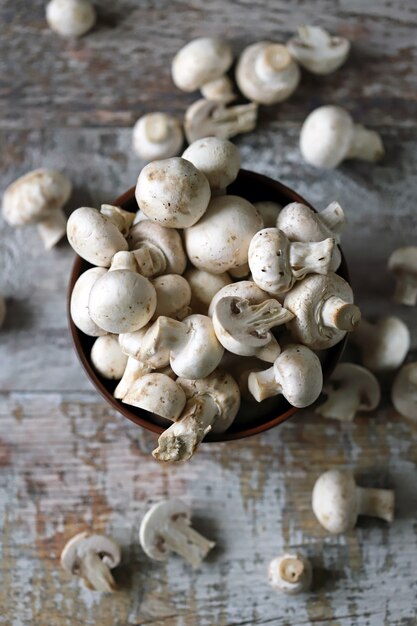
<point x="173" y="296"/>
<point x="122" y="301"/>
<point x="79" y="302"/>
<point x="172" y="192"/>
<point x="269" y="211"/>
<point x="323" y="311"/>
<point x="120" y="218"/>
<point x="199" y="62"/>
<point x="107" y="358"/>
<point x="205" y="118"/>
<point x="276" y="263"/>
<point x="350" y="389"/>
<point x="404" y="391"/>
<point x="157" y="393"/>
<point x="218" y="159"/>
<point x="403" y="264"/>
<point x="212" y="405"/>
<point x="296" y="374"/>
<point x="290" y="573"/>
<point x="383" y="345"/>
<point x="38" y="198"/>
<point x="240" y="272"/>
<point x="317" y="50"/>
<point x="92" y="557"/>
<point x="167" y="528"/>
<point x="219" y="90"/>
<point x="157" y="250"/>
<point x="220" y="240"/>
<point x="3" y="310"/>
<point x="157" y="136"/>
<point x="70" y="18"/>
<point x="337" y="501"/>
<point x="204" y="287"/>
<point x="130" y="344"/>
<point x="329" y="136"/>
<point x="266" y="73"/>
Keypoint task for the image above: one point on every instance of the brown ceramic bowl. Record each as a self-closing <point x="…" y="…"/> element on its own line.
<point x="253" y="187"/>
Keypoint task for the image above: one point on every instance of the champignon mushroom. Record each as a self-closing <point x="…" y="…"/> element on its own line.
<point x="120" y="218"/>
<point x="403" y="264"/>
<point x="318" y="51"/>
<point x="269" y="211"/>
<point x="351" y="388"/>
<point x="199" y="62"/>
<point x="220" y="240"/>
<point x="383" y="345"/>
<point x="130" y="344"/>
<point x="70" y="18"/>
<point x="212" y="405"/>
<point x="290" y="573"/>
<point x="167" y="528"/>
<point x="276" y="263"/>
<point x="266" y="73"/>
<point x="218" y="159"/>
<point x="157" y="136"/>
<point x="122" y="301"/>
<point x="296" y="374"/>
<point x="157" y="393"/>
<point x="206" y="118"/>
<point x="107" y="358"/>
<point x="157" y="250"/>
<point x="204" y="287"/>
<point x="323" y="311"/>
<point x="38" y="198"/>
<point x="329" y="136"/>
<point x="79" y="302"/>
<point x="404" y="391"/>
<point x="337" y="501"/>
<point x="92" y="557"/>
<point x="172" y="192"/>
<point x="3" y="310"/>
<point x="219" y="90"/>
<point x="173" y="296"/>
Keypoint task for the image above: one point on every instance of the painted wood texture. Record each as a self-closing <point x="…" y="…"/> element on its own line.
<point x="67" y="462"/>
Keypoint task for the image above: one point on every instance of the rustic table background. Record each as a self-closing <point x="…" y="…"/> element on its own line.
<point x="67" y="462"/>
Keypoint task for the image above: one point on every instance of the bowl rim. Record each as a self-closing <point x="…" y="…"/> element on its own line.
<point x="124" y="409"/>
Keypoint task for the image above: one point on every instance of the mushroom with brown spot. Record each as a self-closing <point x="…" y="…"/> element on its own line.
<point x="403" y="264"/>
<point x="157" y="250"/>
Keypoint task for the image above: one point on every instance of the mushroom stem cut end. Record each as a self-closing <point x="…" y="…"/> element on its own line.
<point x="263" y="385"/>
<point x="376" y="503"/>
<point x="291" y="569"/>
<point x="336" y="313"/>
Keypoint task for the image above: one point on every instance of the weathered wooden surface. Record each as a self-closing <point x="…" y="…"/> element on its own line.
<point x="67" y="462"/>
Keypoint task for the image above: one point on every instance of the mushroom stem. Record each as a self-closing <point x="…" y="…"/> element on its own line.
<point x="134" y="370"/>
<point x="365" y="145"/>
<point x="291" y="569"/>
<point x="95" y="573"/>
<point x="123" y="261"/>
<point x="273" y="58"/>
<point x="405" y="292"/>
<point x="311" y="258"/>
<point x="376" y="503"/>
<point x="340" y="405"/>
<point x="53" y="228"/>
<point x="122" y="219"/>
<point x="336" y="313"/>
<point x="333" y="217"/>
<point x="263" y="385"/>
<point x="187" y="542"/>
<point x="150" y="259"/>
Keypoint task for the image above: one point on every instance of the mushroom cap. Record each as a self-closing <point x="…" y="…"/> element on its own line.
<point x="220" y="240"/>
<point x="245" y="289"/>
<point x="157" y="136"/>
<point x="293" y="579"/>
<point x="266" y="73"/>
<point x="326" y="136"/>
<point x="154" y="523"/>
<point x="157" y="393"/>
<point x="204" y="287"/>
<point x="269" y="212"/>
<point x="298" y="370"/>
<point x="79" y="302"/>
<point x="404" y="391"/>
<point x="201" y="353"/>
<point x="404" y="261"/>
<point x="70" y="18"/>
<point x="269" y="261"/>
<point x="218" y="159"/>
<point x="168" y="240"/>
<point x="199" y="62"/>
<point x="334" y="501"/>
<point x="77" y="547"/>
<point x="300" y="223"/>
<point x="173" y="296"/>
<point x="122" y="301"/>
<point x="318" y="51"/>
<point x="356" y="378"/>
<point x="34" y="196"/>
<point x="107" y="357"/>
<point x="386" y="346"/>
<point x="222" y="389"/>
<point x="3" y="310"/>
<point x="94" y="237"/>
<point x="172" y="192"/>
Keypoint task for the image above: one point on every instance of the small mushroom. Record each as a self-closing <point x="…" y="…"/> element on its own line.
<point x="383" y="345"/>
<point x="276" y="263"/>
<point x="199" y="62"/>
<point x="38" y="198"/>
<point x="107" y="358"/>
<point x="92" y="557"/>
<point x="204" y="287"/>
<point x="404" y="391"/>
<point x="157" y="250"/>
<point x="219" y="90"/>
<point x="296" y="374"/>
<point x="269" y="211"/>
<point x="173" y="296"/>
<point x="157" y="393"/>
<point x="70" y="18"/>
<point x="290" y="573"/>
<point x="403" y="264"/>
<point x="167" y="528"/>
<point x="266" y="73"/>
<point x="323" y="311"/>
<point x="205" y="118"/>
<point x="157" y="136"/>
<point x="172" y="192"/>
<point x="122" y="301"/>
<point x="329" y="136"/>
<point x="212" y="405"/>
<point x="218" y="159"/>
<point x="351" y="388"/>
<point x="3" y="310"/>
<point x="79" y="302"/>
<point x="220" y="240"/>
<point x="337" y="501"/>
<point x="318" y="51"/>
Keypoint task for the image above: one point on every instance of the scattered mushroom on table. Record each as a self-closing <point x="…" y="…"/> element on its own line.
<point x="318" y="51"/>
<point x="157" y="136"/>
<point x="404" y="391"/>
<point x="199" y="62"/>
<point x="70" y="18"/>
<point x="403" y="264"/>
<point x="384" y="344"/>
<point x="290" y="573"/>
